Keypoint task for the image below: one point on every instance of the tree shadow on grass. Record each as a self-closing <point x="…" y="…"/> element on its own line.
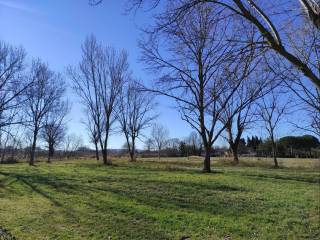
<point x="169" y="194"/>
<point x="79" y="189"/>
<point x="29" y="180"/>
<point x="212" y="197"/>
<point x="261" y="176"/>
<point x="188" y="198"/>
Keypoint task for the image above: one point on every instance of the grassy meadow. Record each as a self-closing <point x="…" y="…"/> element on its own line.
<point x="165" y="199"/>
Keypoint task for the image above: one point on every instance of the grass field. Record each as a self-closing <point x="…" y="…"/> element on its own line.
<point x="164" y="199"/>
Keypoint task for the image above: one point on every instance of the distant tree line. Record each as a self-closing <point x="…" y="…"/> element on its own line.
<point x="306" y="146"/>
<point x="162" y="145"/>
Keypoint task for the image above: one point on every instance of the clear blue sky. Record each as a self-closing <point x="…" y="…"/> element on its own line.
<point x="54" y="30"/>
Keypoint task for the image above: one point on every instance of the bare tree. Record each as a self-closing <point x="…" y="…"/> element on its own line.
<point x="86" y="79"/>
<point x="159" y="137"/>
<point x="134" y="114"/>
<point x="199" y="69"/>
<point x="271" y="110"/>
<point x="41" y="98"/>
<point x="235" y="128"/>
<point x="54" y="129"/>
<point x="98" y="81"/>
<point x="240" y="112"/>
<point x="12" y="84"/>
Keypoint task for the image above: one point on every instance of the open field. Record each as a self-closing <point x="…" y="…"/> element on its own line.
<point x="164" y="199"/>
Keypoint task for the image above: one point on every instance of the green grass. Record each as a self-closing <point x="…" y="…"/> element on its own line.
<point x="159" y="200"/>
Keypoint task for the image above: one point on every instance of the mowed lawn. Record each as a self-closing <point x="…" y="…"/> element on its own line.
<point x="165" y="199"/>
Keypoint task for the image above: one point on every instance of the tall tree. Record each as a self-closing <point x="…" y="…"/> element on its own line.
<point x="41" y="98"/>
<point x="198" y="68"/>
<point x="134" y="114"/>
<point x="98" y="80"/>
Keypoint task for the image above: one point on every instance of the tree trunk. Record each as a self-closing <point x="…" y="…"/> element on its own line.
<point x="104" y="156"/>
<point x="274" y="153"/>
<point x="133" y="151"/>
<point x="33" y="147"/>
<point x="158" y="154"/>
<point x="2" y="155"/>
<point x="131" y="148"/>
<point x="50" y="152"/>
<point x="235" y="157"/>
<point x="132" y="156"/>
<point x="97" y="151"/>
<point x="234" y="149"/>
<point x="206" y="163"/>
<point x="276" y="165"/>
<point x="104" y="149"/>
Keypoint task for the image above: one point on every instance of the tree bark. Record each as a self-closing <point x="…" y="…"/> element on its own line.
<point x="206" y="162"/>
<point x="133" y="151"/>
<point x="131" y="148"/>
<point x="104" y="149"/>
<point x="132" y="156"/>
<point x="105" y="156"/>
<point x="2" y="155"/>
<point x="104" y="146"/>
<point x="97" y="151"/>
<point x="274" y="153"/>
<point x="50" y="153"/>
<point x="234" y="150"/>
<point x="33" y="147"/>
